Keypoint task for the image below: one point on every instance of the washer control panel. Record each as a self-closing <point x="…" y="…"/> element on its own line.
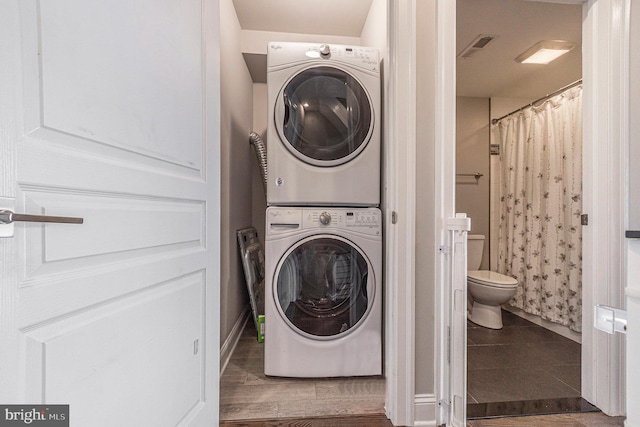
<point x="365" y="220"/>
<point x="286" y="220"/>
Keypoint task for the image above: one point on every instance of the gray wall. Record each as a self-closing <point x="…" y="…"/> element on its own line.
<point x="425" y="199"/>
<point x="235" y="124"/>
<point x="472" y="155"/>
<point x="259" y="203"/>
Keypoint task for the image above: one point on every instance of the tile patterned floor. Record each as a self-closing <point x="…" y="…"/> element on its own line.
<point x="246" y="393"/>
<point x="522" y="361"/>
<point x="522" y="367"/>
<point x="597" y="419"/>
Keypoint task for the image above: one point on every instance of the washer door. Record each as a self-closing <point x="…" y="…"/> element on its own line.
<point x="324" y="116"/>
<point x="323" y="288"/>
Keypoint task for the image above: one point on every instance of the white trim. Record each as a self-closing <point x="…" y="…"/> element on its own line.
<point x="605" y="145"/>
<point x="399" y="184"/>
<point x="444" y="200"/>
<point x="424" y="410"/>
<point x="232" y="340"/>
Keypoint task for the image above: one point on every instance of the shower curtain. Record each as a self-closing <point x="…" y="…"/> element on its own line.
<point x="540" y="236"/>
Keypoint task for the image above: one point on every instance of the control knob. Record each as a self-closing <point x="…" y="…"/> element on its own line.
<point x="325" y="50"/>
<point x="325" y="218"/>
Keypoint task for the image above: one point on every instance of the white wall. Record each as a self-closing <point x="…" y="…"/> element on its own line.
<point x="235" y="122"/>
<point x="374" y="31"/>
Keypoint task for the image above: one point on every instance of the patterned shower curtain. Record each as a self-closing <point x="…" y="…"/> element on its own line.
<point x="540" y="236"/>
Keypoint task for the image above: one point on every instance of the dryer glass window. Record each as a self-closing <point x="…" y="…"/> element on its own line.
<point x="327" y="114"/>
<point x="322" y="287"/>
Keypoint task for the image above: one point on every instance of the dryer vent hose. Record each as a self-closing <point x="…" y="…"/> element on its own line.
<point x="261" y="153"/>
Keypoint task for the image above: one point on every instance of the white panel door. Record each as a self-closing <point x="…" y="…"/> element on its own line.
<point x="109" y="111"/>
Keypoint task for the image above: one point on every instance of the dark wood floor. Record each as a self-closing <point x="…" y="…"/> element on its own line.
<point x="351" y="421"/>
<point x="592" y="419"/>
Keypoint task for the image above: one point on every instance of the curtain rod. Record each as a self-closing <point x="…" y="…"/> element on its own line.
<point x="544" y="98"/>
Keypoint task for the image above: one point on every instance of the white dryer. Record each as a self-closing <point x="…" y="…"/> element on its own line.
<point x="323" y="133"/>
<point x="323" y="308"/>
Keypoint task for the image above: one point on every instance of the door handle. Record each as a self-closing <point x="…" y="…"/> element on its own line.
<point x="7" y="217"/>
<point x="609" y="319"/>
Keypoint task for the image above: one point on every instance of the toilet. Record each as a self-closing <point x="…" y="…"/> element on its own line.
<point x="487" y="290"/>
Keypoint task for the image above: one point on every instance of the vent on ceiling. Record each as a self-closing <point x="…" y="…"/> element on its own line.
<point x="476" y="45"/>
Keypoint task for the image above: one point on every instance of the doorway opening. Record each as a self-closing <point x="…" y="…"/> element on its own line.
<point x="246" y="28"/>
<point x="529" y="365"/>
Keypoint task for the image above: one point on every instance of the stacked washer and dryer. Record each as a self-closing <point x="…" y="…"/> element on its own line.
<point x="323" y="243"/>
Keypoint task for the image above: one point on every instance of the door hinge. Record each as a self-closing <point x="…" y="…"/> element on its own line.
<point x="584" y="219"/>
<point x="444" y="249"/>
<point x="444" y="403"/>
<point x="394" y="217"/>
<point x="445" y="412"/>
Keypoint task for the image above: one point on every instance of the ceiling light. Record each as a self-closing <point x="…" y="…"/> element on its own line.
<point x="545" y="51"/>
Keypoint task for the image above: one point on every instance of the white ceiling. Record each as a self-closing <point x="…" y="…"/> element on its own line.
<point x="517" y="25"/>
<point x="331" y="17"/>
<point x="492" y="72"/>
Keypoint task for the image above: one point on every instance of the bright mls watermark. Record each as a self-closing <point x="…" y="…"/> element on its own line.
<point x="34" y="415"/>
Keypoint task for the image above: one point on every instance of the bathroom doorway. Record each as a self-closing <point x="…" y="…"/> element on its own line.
<point x="530" y="365"/>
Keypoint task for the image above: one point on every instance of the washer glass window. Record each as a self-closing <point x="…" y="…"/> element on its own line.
<point x="327" y="115"/>
<point x="322" y="287"/>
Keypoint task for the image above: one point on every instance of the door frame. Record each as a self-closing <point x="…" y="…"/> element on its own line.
<point x="605" y="177"/>
<point x="606" y="82"/>
<point x="398" y="205"/>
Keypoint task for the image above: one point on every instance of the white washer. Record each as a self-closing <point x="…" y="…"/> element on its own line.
<point x="323" y="133"/>
<point x="323" y="308"/>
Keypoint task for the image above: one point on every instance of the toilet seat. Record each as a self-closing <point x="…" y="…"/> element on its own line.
<point x="491" y="279"/>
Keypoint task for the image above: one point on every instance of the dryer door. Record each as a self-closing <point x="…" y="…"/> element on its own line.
<point x="323" y="287"/>
<point x="324" y="116"/>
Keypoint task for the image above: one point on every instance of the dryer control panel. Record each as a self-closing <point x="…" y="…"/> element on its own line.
<point x="283" y="53"/>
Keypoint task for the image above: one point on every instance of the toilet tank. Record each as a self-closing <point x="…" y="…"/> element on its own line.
<point x="475" y="246"/>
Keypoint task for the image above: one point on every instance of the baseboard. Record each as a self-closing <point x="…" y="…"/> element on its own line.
<point x="232" y="340"/>
<point x="424" y="410"/>
<point x="555" y="327"/>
